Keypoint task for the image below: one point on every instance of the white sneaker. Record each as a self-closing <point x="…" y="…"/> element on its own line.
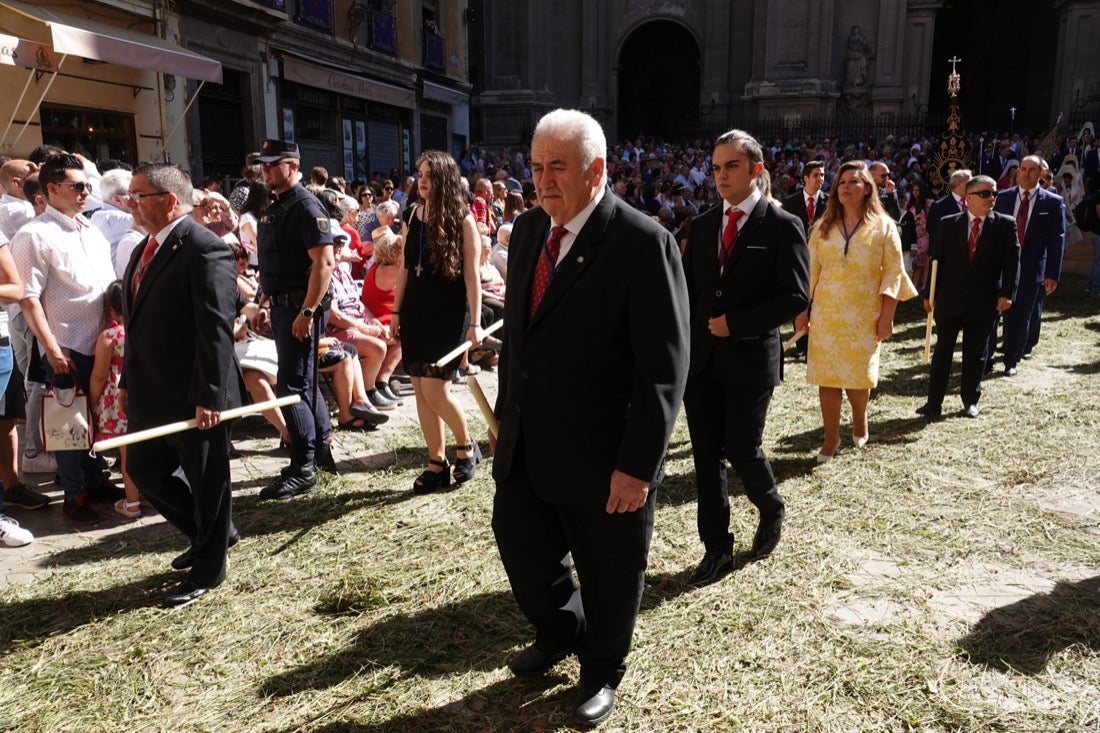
<point x="11" y="534"/>
<point x="42" y="462"/>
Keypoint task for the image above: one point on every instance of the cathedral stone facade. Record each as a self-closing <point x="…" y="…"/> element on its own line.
<point x="676" y="67"/>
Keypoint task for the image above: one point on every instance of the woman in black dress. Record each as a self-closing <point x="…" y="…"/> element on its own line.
<point x="438" y="287"/>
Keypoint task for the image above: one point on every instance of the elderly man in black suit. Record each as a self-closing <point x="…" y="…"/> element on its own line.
<point x="584" y="268"/>
<point x="179" y="296"/>
<point x="747" y="268"/>
<point x="977" y="277"/>
<point x="953" y="203"/>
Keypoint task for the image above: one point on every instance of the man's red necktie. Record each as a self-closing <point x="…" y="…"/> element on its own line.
<point x="972" y="243"/>
<point x="729" y="236"/>
<point x="809" y="209"/>
<point x="545" y="268"/>
<point x="1021" y="218"/>
<point x="143" y="264"/>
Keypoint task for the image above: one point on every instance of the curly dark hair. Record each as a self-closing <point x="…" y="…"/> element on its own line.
<point x="446" y="209"/>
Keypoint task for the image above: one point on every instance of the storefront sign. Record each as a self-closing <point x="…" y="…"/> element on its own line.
<point x="321" y="77"/>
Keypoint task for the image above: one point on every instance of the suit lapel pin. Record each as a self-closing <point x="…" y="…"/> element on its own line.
<point x="175" y="246"/>
<point x="580" y="258"/>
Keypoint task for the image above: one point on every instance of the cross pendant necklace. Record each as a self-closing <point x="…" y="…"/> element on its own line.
<point x="420" y="259"/>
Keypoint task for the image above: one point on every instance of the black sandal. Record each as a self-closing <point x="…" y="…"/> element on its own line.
<point x="430" y="481"/>
<point x="466" y="468"/>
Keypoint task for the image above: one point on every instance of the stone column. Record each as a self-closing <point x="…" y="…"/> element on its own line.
<point x="1077" y="69"/>
<point x="920" y="30"/>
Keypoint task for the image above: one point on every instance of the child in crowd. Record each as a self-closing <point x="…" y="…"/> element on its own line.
<point x="110" y="419"/>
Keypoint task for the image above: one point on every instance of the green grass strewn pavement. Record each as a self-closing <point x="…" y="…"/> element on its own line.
<point x="944" y="578"/>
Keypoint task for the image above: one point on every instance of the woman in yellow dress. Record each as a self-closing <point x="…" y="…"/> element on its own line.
<point x="857" y="277"/>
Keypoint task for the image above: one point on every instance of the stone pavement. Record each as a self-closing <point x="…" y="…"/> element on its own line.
<point x="256" y="462"/>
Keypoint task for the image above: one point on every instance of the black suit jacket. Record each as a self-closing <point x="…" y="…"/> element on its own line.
<point x="1045" y="239"/>
<point x="179" y="331"/>
<point x="764" y="285"/>
<point x="594" y="381"/>
<point x="947" y="206"/>
<point x="972" y="288"/>
<point x="796" y="204"/>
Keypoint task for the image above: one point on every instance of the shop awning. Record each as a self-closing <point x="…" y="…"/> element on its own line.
<point x="71" y="35"/>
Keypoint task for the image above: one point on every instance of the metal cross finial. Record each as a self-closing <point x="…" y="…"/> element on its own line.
<point x="953" y="79"/>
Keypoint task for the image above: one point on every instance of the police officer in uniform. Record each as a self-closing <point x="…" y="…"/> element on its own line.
<point x="294" y="245"/>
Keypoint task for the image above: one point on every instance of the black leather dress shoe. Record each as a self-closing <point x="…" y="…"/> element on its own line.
<point x="767" y="536"/>
<point x="184" y="560"/>
<point x="294" y="480"/>
<point x="594" y="705"/>
<point x="929" y="411"/>
<point x="534" y="660"/>
<point x="711" y="567"/>
<point x="187" y="592"/>
<point x="970" y="411"/>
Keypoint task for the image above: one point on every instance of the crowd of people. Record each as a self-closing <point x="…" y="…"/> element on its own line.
<point x="295" y="275"/>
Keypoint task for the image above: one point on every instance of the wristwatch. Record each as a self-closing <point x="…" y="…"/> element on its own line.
<point x="307" y="313"/>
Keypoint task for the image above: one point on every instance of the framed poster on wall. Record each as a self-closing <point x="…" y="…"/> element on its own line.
<point x="288" y="124"/>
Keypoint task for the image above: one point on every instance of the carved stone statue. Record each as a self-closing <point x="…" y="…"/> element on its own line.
<point x="856" y="59"/>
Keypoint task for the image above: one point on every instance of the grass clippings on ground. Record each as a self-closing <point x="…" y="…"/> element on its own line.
<point x="944" y="578"/>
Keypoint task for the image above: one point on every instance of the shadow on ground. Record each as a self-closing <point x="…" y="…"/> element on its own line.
<point x="1023" y="636"/>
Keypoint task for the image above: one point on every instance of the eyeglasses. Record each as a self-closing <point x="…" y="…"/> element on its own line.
<point x="78" y="186"/>
<point x="276" y="164"/>
<point x="387" y="188"/>
<point x="983" y="194"/>
<point x="137" y="196"/>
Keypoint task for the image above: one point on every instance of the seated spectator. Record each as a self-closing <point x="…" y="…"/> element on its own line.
<point x="246" y="280"/>
<point x="498" y="258"/>
<point x="353" y="410"/>
<point x="386" y="213"/>
<point x="213" y="212"/>
<point x="251" y="209"/>
<point x="492" y="286"/>
<point x="353" y="254"/>
<point x="351" y="323"/>
<point x="377" y="296"/>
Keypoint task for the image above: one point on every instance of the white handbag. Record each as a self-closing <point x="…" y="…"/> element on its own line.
<point x="66" y="419"/>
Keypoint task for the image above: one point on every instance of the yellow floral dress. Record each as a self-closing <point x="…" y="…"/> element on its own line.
<point x="846" y="296"/>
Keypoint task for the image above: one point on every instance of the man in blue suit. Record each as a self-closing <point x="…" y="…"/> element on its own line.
<point x="1041" y="229"/>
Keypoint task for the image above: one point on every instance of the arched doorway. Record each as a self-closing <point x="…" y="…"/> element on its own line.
<point x="659" y="67"/>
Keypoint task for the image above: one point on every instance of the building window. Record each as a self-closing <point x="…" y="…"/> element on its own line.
<point x="315" y="14"/>
<point x="95" y="134"/>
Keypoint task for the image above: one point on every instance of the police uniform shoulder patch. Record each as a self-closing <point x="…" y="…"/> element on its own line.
<point x="323" y="224"/>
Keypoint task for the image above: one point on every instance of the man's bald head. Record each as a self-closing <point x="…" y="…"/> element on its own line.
<point x="12" y="175"/>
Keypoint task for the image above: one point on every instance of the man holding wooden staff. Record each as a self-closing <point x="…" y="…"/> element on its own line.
<point x="978" y="271"/>
<point x="574" y="486"/>
<point x="179" y="296"/>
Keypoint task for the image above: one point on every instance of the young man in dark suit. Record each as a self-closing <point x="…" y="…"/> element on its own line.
<point x="584" y="268"/>
<point x="979" y="267"/>
<point x="179" y="297"/>
<point x="808" y="205"/>
<point x="1041" y="230"/>
<point x="747" y="269"/>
